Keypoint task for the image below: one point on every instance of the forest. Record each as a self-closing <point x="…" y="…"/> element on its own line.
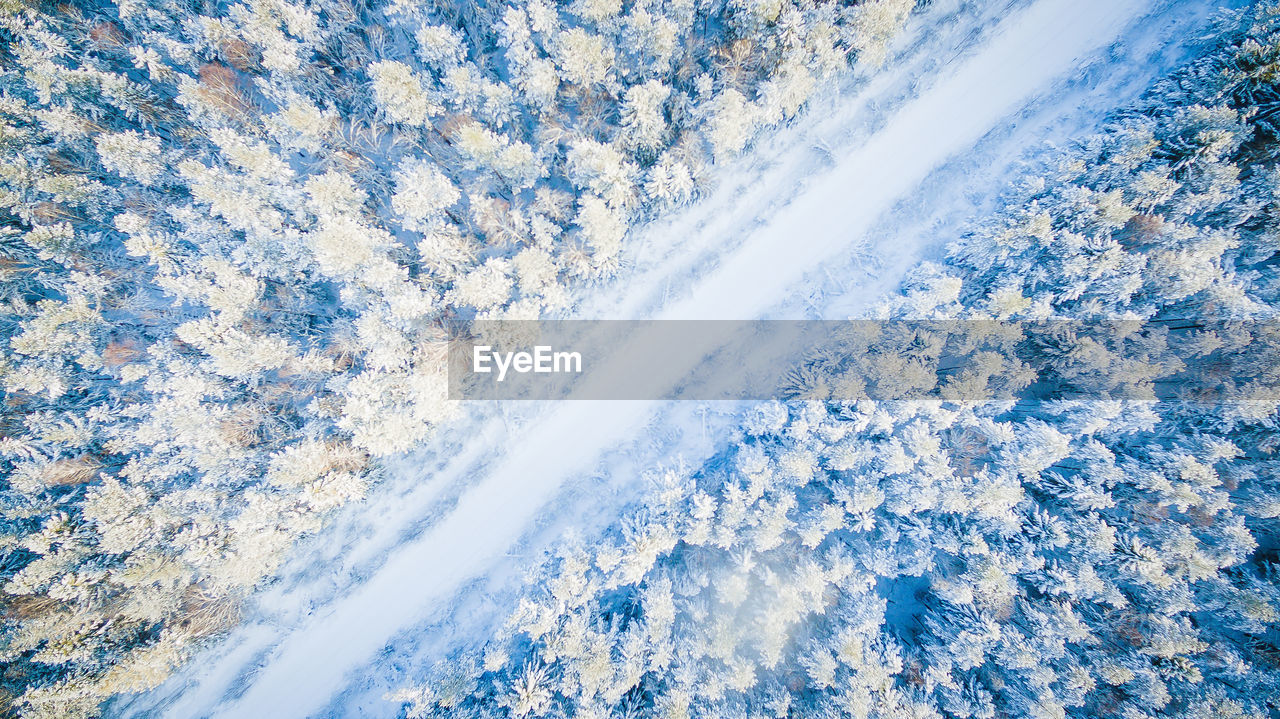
<point x="237" y="238"/>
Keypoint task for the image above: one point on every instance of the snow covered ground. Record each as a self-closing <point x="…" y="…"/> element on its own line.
<point x="817" y="220"/>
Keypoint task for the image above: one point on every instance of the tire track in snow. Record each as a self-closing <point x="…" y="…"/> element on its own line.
<point x="1026" y="54"/>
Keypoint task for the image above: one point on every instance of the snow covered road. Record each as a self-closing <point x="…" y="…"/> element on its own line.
<point x="716" y="262"/>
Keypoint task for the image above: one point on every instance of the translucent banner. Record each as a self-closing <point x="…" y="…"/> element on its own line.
<point x="850" y="360"/>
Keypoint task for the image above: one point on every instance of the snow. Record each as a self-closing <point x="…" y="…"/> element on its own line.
<point x="1026" y="53"/>
<point x="452" y="513"/>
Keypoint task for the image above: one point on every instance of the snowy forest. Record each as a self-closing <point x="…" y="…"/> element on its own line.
<point x="236" y="239"/>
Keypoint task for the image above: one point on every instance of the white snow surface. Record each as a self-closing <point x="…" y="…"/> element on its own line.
<point x="820" y="219"/>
